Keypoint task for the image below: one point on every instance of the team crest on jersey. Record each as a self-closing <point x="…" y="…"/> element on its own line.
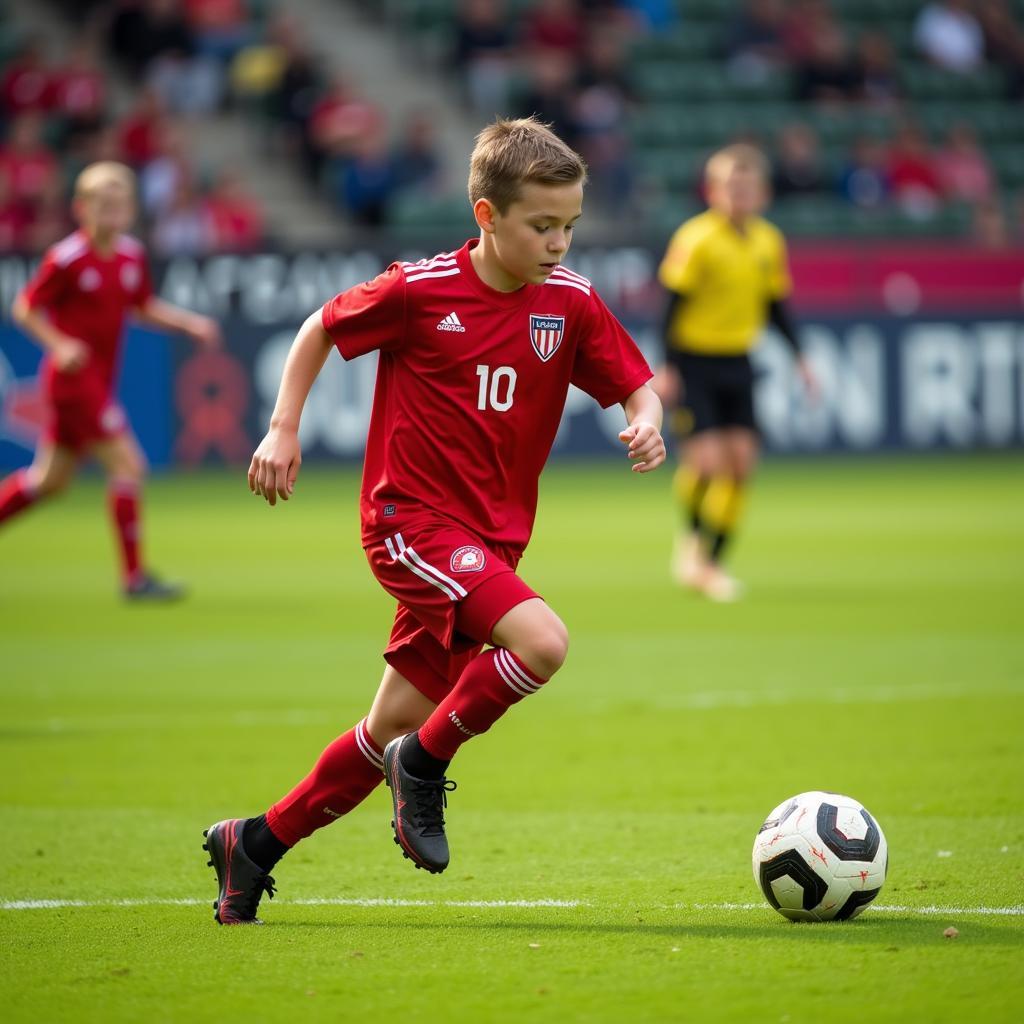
<point x="130" y="276"/>
<point x="467" y="559"/>
<point x="546" y="334"/>
<point x="89" y="279"/>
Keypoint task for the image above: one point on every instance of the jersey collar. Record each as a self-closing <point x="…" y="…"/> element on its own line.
<point x="504" y="300"/>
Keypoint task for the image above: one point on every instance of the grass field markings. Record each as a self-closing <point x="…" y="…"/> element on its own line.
<point x="316" y="901"/>
<point x="707" y="700"/>
<point x="556" y="904"/>
<point x="1012" y="911"/>
<point x="298" y="717"/>
<point x="710" y="700"/>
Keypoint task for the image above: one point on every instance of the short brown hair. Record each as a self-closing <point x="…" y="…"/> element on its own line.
<point x="103" y="173"/>
<point x="512" y="153"/>
<point x="740" y="154"/>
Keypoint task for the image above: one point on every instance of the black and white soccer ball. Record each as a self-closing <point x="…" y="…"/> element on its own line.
<point x="820" y="857"/>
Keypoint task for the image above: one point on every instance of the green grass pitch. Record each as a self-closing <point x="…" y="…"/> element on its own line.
<point x="879" y="653"/>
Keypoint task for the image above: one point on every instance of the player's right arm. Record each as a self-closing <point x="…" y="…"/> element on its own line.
<point x="69" y="354"/>
<point x="275" y="463"/>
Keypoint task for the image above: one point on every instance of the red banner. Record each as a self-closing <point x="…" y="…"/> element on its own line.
<point x="906" y="278"/>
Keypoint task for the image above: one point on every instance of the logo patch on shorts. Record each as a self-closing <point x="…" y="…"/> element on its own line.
<point x="112" y="419"/>
<point x="467" y="559"/>
<point x="389" y="510"/>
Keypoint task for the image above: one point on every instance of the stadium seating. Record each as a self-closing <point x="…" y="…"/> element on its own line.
<point x="688" y="101"/>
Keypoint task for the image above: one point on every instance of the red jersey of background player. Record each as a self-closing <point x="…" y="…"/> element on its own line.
<point x="471" y="386"/>
<point x="86" y="295"/>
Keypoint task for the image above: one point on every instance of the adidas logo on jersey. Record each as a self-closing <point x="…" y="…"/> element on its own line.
<point x="451" y="323"/>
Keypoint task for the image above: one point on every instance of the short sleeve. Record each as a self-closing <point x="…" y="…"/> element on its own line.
<point x="369" y="316"/>
<point x="680" y="269"/>
<point x="47" y="284"/>
<point x="609" y="366"/>
<point x="779" y="282"/>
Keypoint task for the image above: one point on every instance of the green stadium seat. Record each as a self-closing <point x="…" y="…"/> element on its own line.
<point x="993" y="122"/>
<point x="721" y="11"/>
<point x="686" y="42"/>
<point x="925" y="82"/>
<point x="704" y="81"/>
<point x="676" y="169"/>
<point x="415" y="216"/>
<point x="812" y="216"/>
<point x="1008" y="164"/>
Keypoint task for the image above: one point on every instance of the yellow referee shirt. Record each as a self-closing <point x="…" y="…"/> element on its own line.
<point x="729" y="278"/>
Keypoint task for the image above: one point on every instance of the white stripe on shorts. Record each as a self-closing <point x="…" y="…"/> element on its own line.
<point x="411" y="560"/>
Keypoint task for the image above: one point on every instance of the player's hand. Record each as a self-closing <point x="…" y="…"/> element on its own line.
<point x="809" y="379"/>
<point x="646" y="446"/>
<point x="275" y="465"/>
<point x="668" y="385"/>
<point x="70" y="355"/>
<point x="206" y="332"/>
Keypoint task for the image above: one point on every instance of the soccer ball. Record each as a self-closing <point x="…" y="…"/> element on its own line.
<point x="820" y="857"/>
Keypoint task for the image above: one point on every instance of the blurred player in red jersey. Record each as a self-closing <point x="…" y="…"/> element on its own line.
<point x="477" y="350"/>
<point x="74" y="308"/>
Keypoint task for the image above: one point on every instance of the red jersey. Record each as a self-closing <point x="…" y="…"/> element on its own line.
<point x="86" y="295"/>
<point x="471" y="386"/>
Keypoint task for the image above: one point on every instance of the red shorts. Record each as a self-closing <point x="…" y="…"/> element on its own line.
<point x="85" y="419"/>
<point x="451" y="589"/>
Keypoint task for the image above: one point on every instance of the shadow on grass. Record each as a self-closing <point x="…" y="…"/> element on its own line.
<point x="889" y="933"/>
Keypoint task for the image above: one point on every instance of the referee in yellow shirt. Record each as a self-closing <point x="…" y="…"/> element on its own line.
<point x="727" y="275"/>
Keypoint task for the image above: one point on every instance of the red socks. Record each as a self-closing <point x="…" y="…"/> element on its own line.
<point x="123" y="499"/>
<point x="488" y="687"/>
<point x="353" y="766"/>
<point x="347" y="772"/>
<point x="15" y="495"/>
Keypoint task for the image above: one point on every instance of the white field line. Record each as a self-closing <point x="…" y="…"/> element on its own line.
<point x="706" y="700"/>
<point x="874" y="908"/>
<point x="322" y="901"/>
<point x="331" y="901"/>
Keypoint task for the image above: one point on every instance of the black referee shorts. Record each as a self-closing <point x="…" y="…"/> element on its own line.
<point x="718" y="393"/>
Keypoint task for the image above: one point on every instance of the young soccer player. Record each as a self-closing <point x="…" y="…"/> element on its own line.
<point x="726" y="273"/>
<point x="477" y="348"/>
<point x="74" y="307"/>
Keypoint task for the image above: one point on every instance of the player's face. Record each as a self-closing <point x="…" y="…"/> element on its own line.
<point x="739" y="193"/>
<point x="108" y="210"/>
<point x="532" y="237"/>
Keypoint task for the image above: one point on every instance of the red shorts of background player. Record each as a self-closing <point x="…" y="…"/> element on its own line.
<point x="84" y="420"/>
<point x="451" y="590"/>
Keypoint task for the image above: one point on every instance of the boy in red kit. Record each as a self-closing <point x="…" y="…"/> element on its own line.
<point x="74" y="308"/>
<point x="477" y="348"/>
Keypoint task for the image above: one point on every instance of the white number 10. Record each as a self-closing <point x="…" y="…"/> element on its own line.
<point x="502" y="373"/>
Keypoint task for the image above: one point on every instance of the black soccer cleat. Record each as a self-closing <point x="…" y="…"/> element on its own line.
<point x="148" y="588"/>
<point x="419" y="812"/>
<point x="242" y="883"/>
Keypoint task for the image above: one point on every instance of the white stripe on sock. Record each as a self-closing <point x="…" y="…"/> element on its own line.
<point x="513" y="686"/>
<point x="517" y="672"/>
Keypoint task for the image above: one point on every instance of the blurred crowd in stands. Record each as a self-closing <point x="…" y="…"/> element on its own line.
<point x="142" y="71"/>
<point x="59" y="113"/>
<point x="569" y="61"/>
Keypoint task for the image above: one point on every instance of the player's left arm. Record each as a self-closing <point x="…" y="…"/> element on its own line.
<point x="782" y="321"/>
<point x="780" y="286"/>
<point x="642" y="437"/>
<point x="202" y="330"/>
